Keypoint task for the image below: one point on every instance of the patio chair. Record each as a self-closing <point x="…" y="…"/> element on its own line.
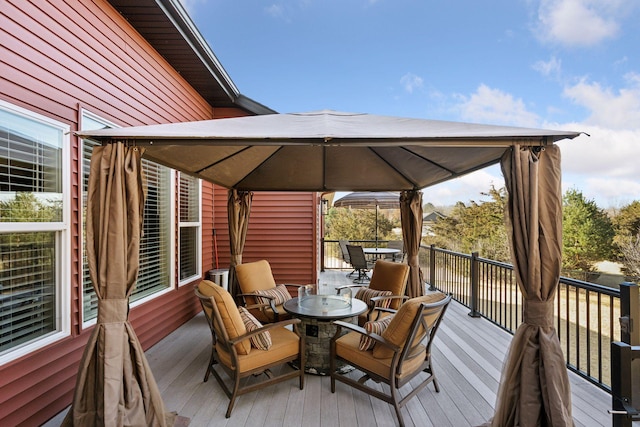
<point x="394" y="355"/>
<point x="359" y="263"/>
<point x="260" y="294"/>
<point x="386" y="289"/>
<point x="396" y="244"/>
<point x="244" y="348"/>
<point x="345" y="254"/>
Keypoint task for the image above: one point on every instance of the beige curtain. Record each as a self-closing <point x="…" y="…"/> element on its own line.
<point x="238" y="211"/>
<point x="115" y="386"/>
<point x="534" y="389"/>
<point x="411" y="217"/>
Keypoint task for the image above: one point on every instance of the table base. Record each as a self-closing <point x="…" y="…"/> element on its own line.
<point x="318" y="336"/>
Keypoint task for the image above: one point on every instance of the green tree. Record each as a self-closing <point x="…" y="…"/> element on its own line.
<point x="587" y="232"/>
<point x="626" y="224"/>
<point x="358" y="224"/>
<point x="477" y="227"/>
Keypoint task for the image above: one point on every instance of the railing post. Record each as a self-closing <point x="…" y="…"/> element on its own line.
<point x="322" y="251"/>
<point x="432" y="268"/>
<point x="474" y="285"/>
<point x="625" y="360"/>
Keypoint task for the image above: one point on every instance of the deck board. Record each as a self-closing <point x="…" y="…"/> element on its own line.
<point x="468" y="354"/>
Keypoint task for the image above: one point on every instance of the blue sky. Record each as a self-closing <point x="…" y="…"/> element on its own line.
<point x="555" y="64"/>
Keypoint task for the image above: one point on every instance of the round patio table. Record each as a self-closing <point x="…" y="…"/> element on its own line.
<point x="316" y="313"/>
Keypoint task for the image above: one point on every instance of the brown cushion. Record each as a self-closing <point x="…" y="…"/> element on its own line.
<point x="285" y="345"/>
<point x="347" y="348"/>
<point x="233" y="324"/>
<point x="397" y="331"/>
<point x="261" y="341"/>
<point x="390" y="276"/>
<point x="279" y="293"/>
<point x="253" y="276"/>
<point x="375" y="326"/>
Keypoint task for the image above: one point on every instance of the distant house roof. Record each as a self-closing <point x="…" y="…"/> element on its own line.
<point x="168" y="28"/>
<point x="433" y="216"/>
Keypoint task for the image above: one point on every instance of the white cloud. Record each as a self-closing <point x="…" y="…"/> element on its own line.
<point x="617" y="110"/>
<point x="604" y="165"/>
<point x="275" y="10"/>
<point x="464" y="189"/>
<point x="494" y="106"/>
<point x="578" y="22"/>
<point x="550" y="68"/>
<point x="410" y="82"/>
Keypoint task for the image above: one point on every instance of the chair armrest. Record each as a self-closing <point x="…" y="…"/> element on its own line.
<point x="360" y="330"/>
<point x="260" y="306"/>
<point x="264" y="328"/>
<point x="339" y="288"/>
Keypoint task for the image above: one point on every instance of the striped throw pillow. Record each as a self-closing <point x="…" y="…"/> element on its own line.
<point x="375" y="326"/>
<point x="365" y="294"/>
<point x="261" y="341"/>
<point x="280" y="295"/>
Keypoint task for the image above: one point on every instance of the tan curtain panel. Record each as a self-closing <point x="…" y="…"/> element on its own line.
<point x="534" y="388"/>
<point x="115" y="386"/>
<point x="411" y="217"/>
<point x="238" y="212"/>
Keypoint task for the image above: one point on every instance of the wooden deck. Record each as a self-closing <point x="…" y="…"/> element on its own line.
<point x="468" y="356"/>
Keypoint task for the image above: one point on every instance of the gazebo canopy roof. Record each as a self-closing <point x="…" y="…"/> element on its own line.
<point x="326" y="150"/>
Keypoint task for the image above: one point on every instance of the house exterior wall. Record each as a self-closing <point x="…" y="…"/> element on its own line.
<point x="63" y="57"/>
<point x="282" y="230"/>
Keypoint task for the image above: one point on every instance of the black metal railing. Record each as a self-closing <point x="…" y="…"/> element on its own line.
<point x="586" y="314"/>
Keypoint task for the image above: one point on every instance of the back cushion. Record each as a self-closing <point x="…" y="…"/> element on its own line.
<point x="397" y="331"/>
<point x="254" y="276"/>
<point x="229" y="313"/>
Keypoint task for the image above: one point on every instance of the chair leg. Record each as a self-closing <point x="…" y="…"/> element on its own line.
<point x="234" y="393"/>
<point x="396" y="405"/>
<point x="212" y="361"/>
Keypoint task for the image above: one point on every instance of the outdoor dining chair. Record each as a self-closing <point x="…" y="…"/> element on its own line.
<point x="359" y="263"/>
<point x="386" y="289"/>
<point x="345" y="254"/>
<point x="260" y="293"/>
<point x="392" y="351"/>
<point x="245" y="348"/>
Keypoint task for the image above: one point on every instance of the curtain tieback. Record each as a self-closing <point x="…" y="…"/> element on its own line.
<point x="113" y="310"/>
<point x="539" y="313"/>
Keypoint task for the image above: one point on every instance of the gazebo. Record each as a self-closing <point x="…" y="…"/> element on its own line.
<point x="335" y="151"/>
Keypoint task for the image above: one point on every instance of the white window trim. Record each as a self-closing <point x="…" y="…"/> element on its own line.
<point x="198" y="224"/>
<point x="63" y="245"/>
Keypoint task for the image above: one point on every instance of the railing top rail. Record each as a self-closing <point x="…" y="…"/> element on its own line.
<point x="593" y="287"/>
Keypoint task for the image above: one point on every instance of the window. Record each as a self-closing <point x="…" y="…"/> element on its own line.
<point x="155" y="270"/>
<point x="190" y="236"/>
<point x="33" y="238"/>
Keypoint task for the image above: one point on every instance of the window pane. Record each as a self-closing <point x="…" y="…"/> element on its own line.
<point x="188" y="252"/>
<point x="156" y="243"/>
<point x="30" y="170"/>
<point x="27" y="287"/>
<point x="189" y="199"/>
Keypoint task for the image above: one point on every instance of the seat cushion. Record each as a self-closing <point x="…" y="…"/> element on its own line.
<point x="285" y="345"/>
<point x="231" y="319"/>
<point x="261" y="341"/>
<point x="397" y="331"/>
<point x="347" y="347"/>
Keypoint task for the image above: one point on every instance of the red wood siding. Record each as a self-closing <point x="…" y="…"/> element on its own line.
<point x="281" y="230"/>
<point x="56" y="58"/>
